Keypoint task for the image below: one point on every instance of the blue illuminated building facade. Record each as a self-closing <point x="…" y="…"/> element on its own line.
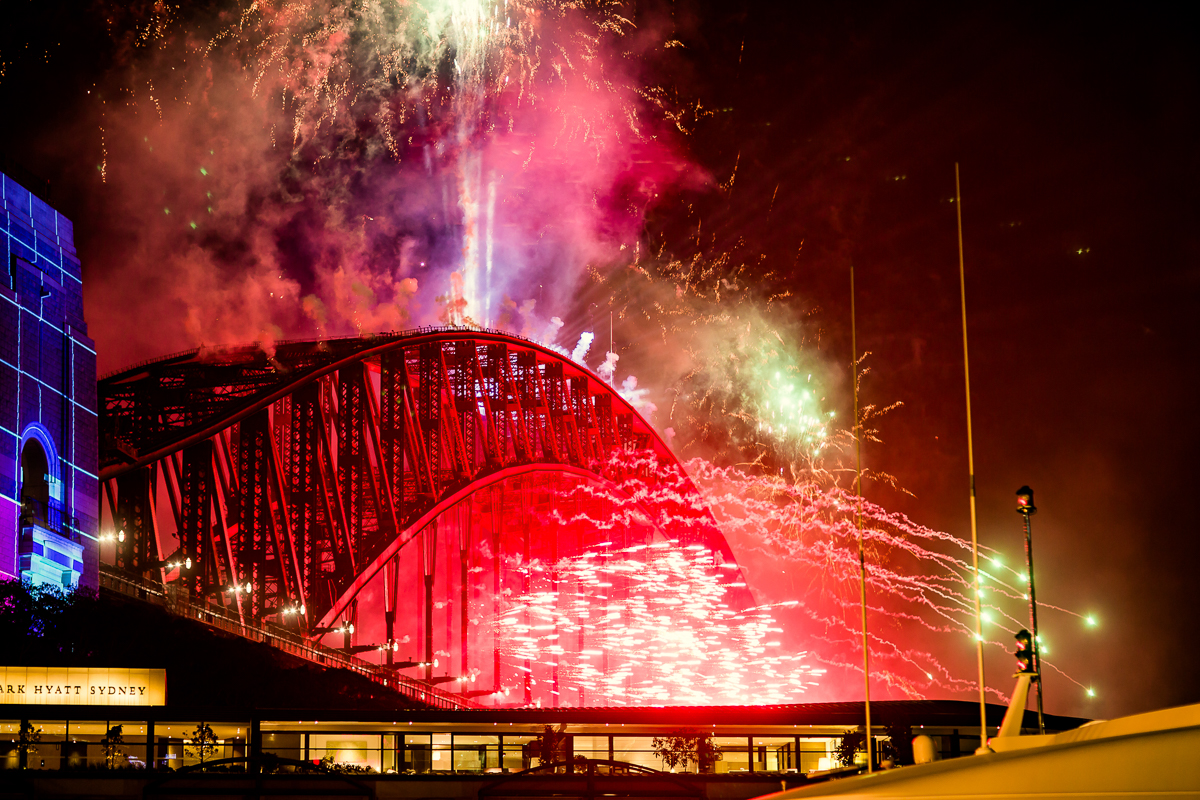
<point x="48" y="449"/>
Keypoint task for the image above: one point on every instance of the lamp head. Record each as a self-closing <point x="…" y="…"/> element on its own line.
<point x="1025" y="501"/>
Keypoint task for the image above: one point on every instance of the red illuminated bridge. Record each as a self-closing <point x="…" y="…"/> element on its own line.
<point x="408" y="483"/>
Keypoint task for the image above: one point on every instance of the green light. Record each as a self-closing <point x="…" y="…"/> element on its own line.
<point x="1091" y="692"/>
<point x="193" y="226"/>
<point x="203" y="171"/>
<point x="985" y="616"/>
<point x="166" y="211"/>
<point x="996" y="560"/>
<point x="1090" y="621"/>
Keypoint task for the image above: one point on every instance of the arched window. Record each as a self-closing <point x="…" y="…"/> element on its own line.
<point x="35" y="482"/>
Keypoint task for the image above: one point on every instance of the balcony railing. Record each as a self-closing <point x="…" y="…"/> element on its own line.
<point x="51" y="515"/>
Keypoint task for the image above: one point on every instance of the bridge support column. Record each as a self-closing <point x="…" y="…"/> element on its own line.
<point x="525" y="580"/>
<point x="391" y="587"/>
<point x="428" y="562"/>
<point x="464" y="554"/>
<point x="495" y="504"/>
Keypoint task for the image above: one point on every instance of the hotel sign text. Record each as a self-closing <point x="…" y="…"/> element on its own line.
<point x="82" y="686"/>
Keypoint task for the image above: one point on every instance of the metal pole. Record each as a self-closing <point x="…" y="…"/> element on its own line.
<point x="962" y="284"/>
<point x="862" y="560"/>
<point x="1037" y="647"/>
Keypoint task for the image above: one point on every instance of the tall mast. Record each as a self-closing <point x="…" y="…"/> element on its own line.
<point x="862" y="560"/>
<point x="962" y="283"/>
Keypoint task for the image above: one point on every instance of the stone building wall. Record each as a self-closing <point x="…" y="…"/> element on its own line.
<point x="47" y="396"/>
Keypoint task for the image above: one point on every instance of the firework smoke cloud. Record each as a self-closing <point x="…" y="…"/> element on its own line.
<point x="323" y="168"/>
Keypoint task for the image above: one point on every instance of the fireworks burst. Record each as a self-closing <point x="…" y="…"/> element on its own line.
<point x="649" y="624"/>
<point x="669" y="620"/>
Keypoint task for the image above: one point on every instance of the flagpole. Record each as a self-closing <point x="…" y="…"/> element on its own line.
<point x="962" y="283"/>
<point x="862" y="561"/>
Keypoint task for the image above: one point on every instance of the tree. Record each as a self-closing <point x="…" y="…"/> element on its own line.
<point x="898" y="744"/>
<point x="707" y="753"/>
<point x="549" y="746"/>
<point x="111" y="744"/>
<point x="27" y="741"/>
<point x="851" y="743"/>
<point x="687" y="745"/>
<point x="203" y="742"/>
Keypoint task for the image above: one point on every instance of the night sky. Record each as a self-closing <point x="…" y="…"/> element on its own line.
<point x="1075" y="131"/>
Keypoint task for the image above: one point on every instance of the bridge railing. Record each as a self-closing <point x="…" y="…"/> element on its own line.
<point x="183" y="605"/>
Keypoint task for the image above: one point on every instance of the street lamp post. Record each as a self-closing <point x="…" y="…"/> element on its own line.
<point x="1027" y="509"/>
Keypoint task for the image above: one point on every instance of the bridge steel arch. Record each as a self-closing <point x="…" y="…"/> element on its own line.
<point x="303" y="470"/>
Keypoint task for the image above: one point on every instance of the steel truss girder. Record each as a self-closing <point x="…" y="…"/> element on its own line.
<point x="304" y="472"/>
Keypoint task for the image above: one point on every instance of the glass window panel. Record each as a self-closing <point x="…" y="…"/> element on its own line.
<point x="816" y="754"/>
<point x="441" y="755"/>
<point x="78" y="729"/>
<point x="8" y="749"/>
<point x="47" y="753"/>
<point x="636" y="750"/>
<point x="56" y="730"/>
<point x="416" y="755"/>
<point x="169" y="747"/>
<point x="90" y="745"/>
<point x="473" y="753"/>
<point x="131" y="732"/>
<point x="389" y="752"/>
<point x="230" y="730"/>
<point x="284" y="745"/>
<point x="355" y="750"/>
<point x="83" y="745"/>
<point x="469" y="759"/>
<point x="735" y="755"/>
<point x="515" y="757"/>
<point x="469" y="739"/>
<point x="75" y="755"/>
<point x="774" y="753"/>
<point x="591" y="746"/>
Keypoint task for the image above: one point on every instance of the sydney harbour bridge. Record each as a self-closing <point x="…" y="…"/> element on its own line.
<point x="389" y="496"/>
